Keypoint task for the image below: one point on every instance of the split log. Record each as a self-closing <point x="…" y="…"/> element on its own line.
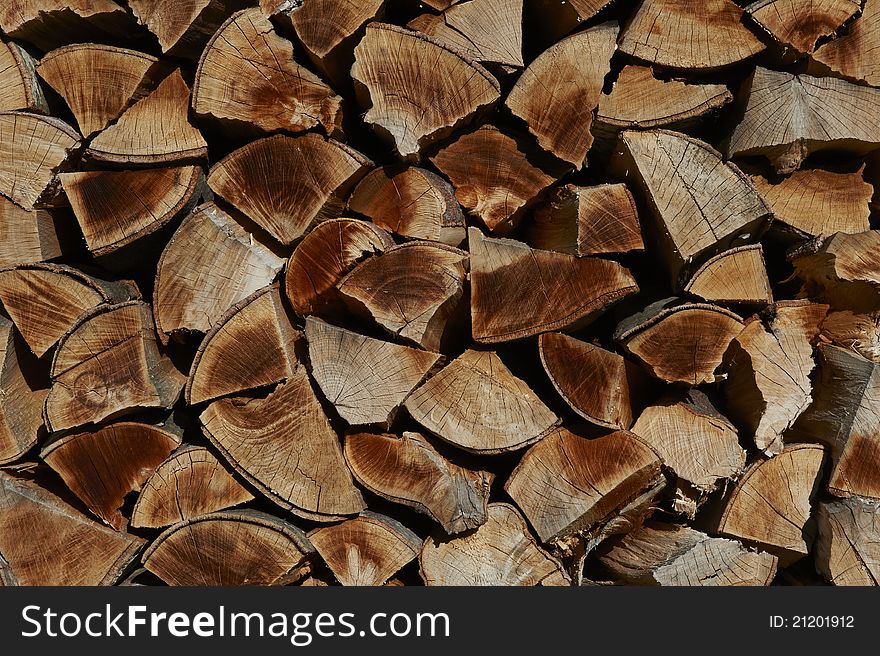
<point x="601" y="386"/>
<point x="189" y="483"/>
<point x="19" y="86"/>
<point x="672" y="555"/>
<point x="407" y="108"/>
<point x="284" y="446"/>
<point x="680" y="35"/>
<point x="847" y="550"/>
<point x="500" y="552"/>
<point x="98" y="82"/>
<point x="103" y="466"/>
<point x="852" y="54"/>
<point x="770" y="505"/>
<point x="26" y="236"/>
<point x="855" y="332"/>
<point x="557" y="93"/>
<point x="61" y="546"/>
<point x="323" y="257"/>
<point x="21" y="404"/>
<point x="411" y="290"/>
<point x="409" y="471"/>
<point x="366" y="550"/>
<point x="768" y="384"/>
<point x="249" y="347"/>
<point x="700" y="205"/>
<point x="799" y="25"/>
<point x="738" y="275"/>
<point x="155" y="130"/>
<point x="109" y="364"/>
<point x="288" y="184"/>
<point x="518" y="292"/>
<point x="477" y="404"/>
<point x="410" y="202"/>
<point x="568" y="485"/>
<point x="587" y="221"/>
<point x="247" y="76"/>
<point x="48" y="24"/>
<point x="492" y="176"/>
<point x="235" y="547"/>
<point x="789" y="117"/>
<point x="33" y="149"/>
<point x="365" y="379"/>
<point x="117" y="208"/>
<point x="210" y="264"/>
<point x="680" y="343"/>
<point x="46" y="300"/>
<point x="813" y="202"/>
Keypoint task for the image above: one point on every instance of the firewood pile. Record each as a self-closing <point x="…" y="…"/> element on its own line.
<point x="487" y="292"/>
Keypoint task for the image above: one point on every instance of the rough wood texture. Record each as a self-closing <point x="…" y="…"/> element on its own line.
<point x="50" y="23"/>
<point x="21" y="404"/>
<point x="738" y="275"/>
<point x="851" y="55"/>
<point x="182" y="27"/>
<point x="799" y="24"/>
<point x="856" y="332"/>
<point x="19" y="86"/>
<point x="26" y="236"/>
<point x="847" y="547"/>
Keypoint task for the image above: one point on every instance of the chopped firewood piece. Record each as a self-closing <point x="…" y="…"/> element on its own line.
<point x="109" y="364"/>
<point x="406" y="107"/>
<point x="668" y="554"/>
<point x="33" y="149"/>
<point x="587" y="221"/>
<point x="26" y="236"/>
<point x="770" y="505"/>
<point x="19" y="86"/>
<point x="567" y="484"/>
<point x="97" y="82"/>
<point x="366" y="550"/>
<point x="284" y="446"/>
<point x="853" y="54"/>
<point x="789" y="117"/>
<point x="601" y="386"/>
<point x="682" y="343"/>
<point x="101" y="467"/>
<point x="117" y="208"/>
<point x="365" y="379"/>
<point x="700" y="204"/>
<point x="848" y="546"/>
<point x="323" y="258"/>
<point x="842" y="270"/>
<point x="799" y="24"/>
<point x="44" y="301"/>
<point x="250" y="346"/>
<point x="492" y="176"/>
<point x="682" y="35"/>
<point x="183" y="27"/>
<point x="768" y="384"/>
<point x="235" y="547"/>
<point x="21" y="403"/>
<point x="476" y="403"/>
<point x="210" y="264"/>
<point x="410" y="202"/>
<point x="50" y="23"/>
<point x="519" y="292"/>
<point x="738" y="275"/>
<point x="155" y="130"/>
<point x="557" y="93"/>
<point x="409" y="471"/>
<point x="46" y="541"/>
<point x="410" y="290"/>
<point x="288" y="184"/>
<point x="855" y="332"/>
<point x="191" y="482"/>
<point x="247" y="75"/>
<point x="500" y="552"/>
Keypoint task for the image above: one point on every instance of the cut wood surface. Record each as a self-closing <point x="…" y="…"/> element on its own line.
<point x="18" y="81"/>
<point x="21" y="405"/>
<point x="855" y="332"/>
<point x="737" y="275"/>
<point x="842" y="270"/>
<point x="26" y="236"/>
<point x="50" y="23"/>
<point x="182" y="27"/>
<point x="847" y="550"/>
<point x="799" y="25"/>
<point x="851" y="55"/>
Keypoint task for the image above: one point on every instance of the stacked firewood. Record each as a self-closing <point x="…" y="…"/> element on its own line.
<point x="487" y="292"/>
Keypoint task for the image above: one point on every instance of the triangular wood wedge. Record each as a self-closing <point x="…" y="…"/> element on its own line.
<point x="19" y="85"/>
<point x="21" y="414"/>
<point x="737" y="275"/>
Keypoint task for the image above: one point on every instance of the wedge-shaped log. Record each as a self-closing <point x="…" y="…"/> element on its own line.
<point x="799" y="25"/>
<point x="26" y="236"/>
<point x="235" y="547"/>
<point x="48" y="24"/>
<point x="737" y="275"/>
<point x="60" y="546"/>
<point x="848" y="546"/>
<point x="855" y="332"/>
<point x="189" y="483"/>
<point x="408" y="108"/>
<point x="182" y="27"/>
<point x="21" y="413"/>
<point x="500" y="552"/>
<point x="210" y="264"/>
<point x="852" y="54"/>
<point x="476" y="403"/>
<point x="19" y="86"/>
<point x="518" y="292"/>
<point x="109" y="364"/>
<point x="409" y="471"/>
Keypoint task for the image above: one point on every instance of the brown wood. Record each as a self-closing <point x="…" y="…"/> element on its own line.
<point x="856" y="332"/>
<point x="410" y="471"/>
<point x="737" y="275"/>
<point x="799" y="25"/>
<point x="850" y="55"/>
<point x="19" y="85"/>
<point x="50" y="23"/>
<point x="26" y="236"/>
<point x="846" y="549"/>
<point x="21" y="404"/>
<point x="182" y="27"/>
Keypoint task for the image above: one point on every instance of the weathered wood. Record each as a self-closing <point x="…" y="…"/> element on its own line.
<point x="851" y="55"/>
<point x="182" y="27"/>
<point x="737" y="275"/>
<point x="847" y="547"/>
<point x="21" y="404"/>
<point x="19" y="86"/>
<point x="856" y="332"/>
<point x="50" y="23"/>
<point x="26" y="236"/>
<point x="798" y="24"/>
